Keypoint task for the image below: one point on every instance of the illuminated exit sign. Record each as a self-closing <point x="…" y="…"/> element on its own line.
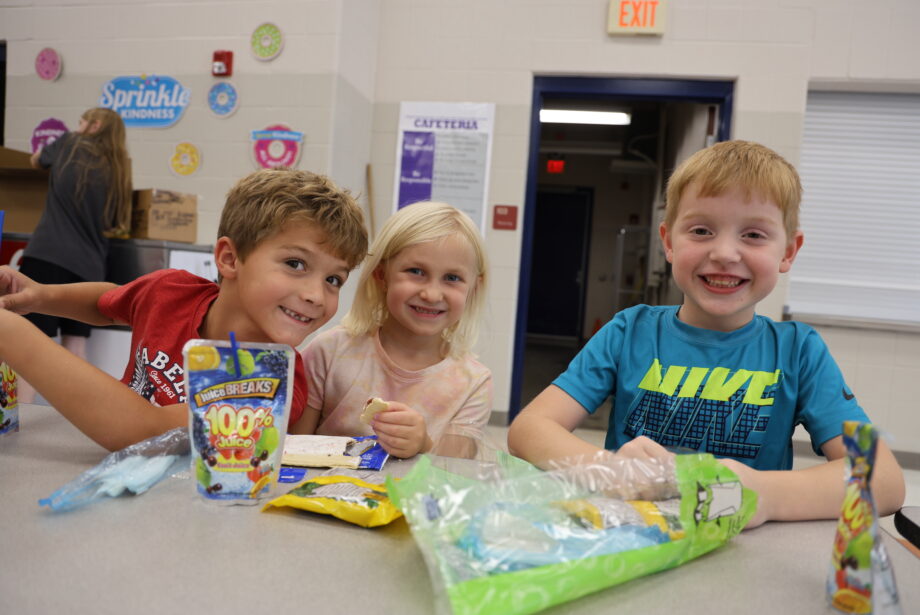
<point x="636" y="16"/>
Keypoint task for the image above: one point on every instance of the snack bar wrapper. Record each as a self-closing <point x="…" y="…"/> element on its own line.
<point x="526" y="540"/>
<point x="239" y="408"/>
<point x="9" y="406"/>
<point x="861" y="579"/>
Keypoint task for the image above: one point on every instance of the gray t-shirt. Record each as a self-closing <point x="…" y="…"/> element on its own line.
<point x="70" y="232"/>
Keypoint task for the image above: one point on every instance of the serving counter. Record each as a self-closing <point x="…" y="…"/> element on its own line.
<point x="167" y="551"/>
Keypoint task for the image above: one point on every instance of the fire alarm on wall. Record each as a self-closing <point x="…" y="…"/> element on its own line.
<point x="222" y="65"/>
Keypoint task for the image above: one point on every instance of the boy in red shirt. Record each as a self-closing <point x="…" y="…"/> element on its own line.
<point x="287" y="241"/>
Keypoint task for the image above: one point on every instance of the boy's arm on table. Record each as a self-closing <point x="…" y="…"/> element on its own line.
<point x="817" y="492"/>
<point x="100" y="406"/>
<point x="21" y="294"/>
<point x="543" y="430"/>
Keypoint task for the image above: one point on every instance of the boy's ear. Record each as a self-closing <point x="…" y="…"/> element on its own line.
<point x="226" y="258"/>
<point x="665" y="240"/>
<point x="792" y="248"/>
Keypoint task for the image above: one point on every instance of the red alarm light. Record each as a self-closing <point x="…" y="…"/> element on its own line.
<point x="222" y="63"/>
<point x="555" y="165"/>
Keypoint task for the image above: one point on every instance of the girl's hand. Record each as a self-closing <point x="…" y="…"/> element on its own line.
<point x="18" y="293"/>
<point x="401" y="431"/>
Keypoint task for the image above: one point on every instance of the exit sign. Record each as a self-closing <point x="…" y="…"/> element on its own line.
<point x="636" y="16"/>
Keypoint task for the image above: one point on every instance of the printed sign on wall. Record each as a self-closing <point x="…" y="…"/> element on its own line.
<point x="276" y="146"/>
<point x="47" y="131"/>
<point x="146" y="101"/>
<point x="443" y="153"/>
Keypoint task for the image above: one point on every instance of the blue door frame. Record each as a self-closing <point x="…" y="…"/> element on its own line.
<point x="602" y="88"/>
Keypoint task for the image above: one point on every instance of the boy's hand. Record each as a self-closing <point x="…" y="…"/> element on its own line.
<point x="751" y="479"/>
<point x="18" y="293"/>
<point x="643" y="447"/>
<point x="401" y="431"/>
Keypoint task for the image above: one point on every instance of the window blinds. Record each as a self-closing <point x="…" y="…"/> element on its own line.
<point x="860" y="172"/>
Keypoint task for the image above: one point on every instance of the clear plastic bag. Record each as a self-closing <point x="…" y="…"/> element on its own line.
<point x="514" y="540"/>
<point x="135" y="468"/>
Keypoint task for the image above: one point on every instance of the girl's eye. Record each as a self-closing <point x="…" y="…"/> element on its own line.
<point x="414" y="271"/>
<point x="699" y="231"/>
<point x="296" y="264"/>
<point x="755" y="235"/>
<point x="453" y="277"/>
<point x="335" y="281"/>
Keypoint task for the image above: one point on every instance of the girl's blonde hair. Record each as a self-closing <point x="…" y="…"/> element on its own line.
<point x="414" y="224"/>
<point x="108" y="154"/>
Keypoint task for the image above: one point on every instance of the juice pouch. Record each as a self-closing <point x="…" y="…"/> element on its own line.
<point x="860" y="579"/>
<point x="237" y="419"/>
<point x="9" y="407"/>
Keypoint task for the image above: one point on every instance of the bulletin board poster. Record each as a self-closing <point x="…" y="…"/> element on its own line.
<point x="443" y="153"/>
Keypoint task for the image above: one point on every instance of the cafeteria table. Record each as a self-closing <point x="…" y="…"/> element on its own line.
<point x="168" y="551"/>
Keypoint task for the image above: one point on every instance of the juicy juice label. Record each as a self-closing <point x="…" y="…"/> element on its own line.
<point x="9" y="406"/>
<point x="860" y="579"/>
<point x="238" y="417"/>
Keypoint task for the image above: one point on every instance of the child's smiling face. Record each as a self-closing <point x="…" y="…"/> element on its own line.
<point x="288" y="286"/>
<point x="726" y="253"/>
<point x="427" y="286"/>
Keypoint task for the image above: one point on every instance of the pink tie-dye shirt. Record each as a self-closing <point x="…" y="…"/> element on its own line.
<point x="344" y="371"/>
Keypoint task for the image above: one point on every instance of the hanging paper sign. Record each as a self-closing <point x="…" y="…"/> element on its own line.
<point x="146" y="101"/>
<point x="266" y="42"/>
<point x="48" y="64"/>
<point x="46" y="132"/>
<point x="223" y="99"/>
<point x="276" y="146"/>
<point x="443" y="153"/>
<point x="186" y="160"/>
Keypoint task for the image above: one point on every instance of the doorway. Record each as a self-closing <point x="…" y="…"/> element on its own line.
<point x="621" y="171"/>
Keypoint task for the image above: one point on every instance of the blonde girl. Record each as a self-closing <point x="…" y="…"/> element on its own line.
<point x="407" y="339"/>
<point x="89" y="200"/>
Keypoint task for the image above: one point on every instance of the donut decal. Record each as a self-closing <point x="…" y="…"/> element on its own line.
<point x="48" y="64"/>
<point x="276" y="146"/>
<point x="223" y="99"/>
<point x="266" y="42"/>
<point x="186" y="160"/>
<point x="47" y="131"/>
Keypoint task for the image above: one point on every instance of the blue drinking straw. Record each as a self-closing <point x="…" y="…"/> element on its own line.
<point x="2" y="215"/>
<point x="235" y="349"/>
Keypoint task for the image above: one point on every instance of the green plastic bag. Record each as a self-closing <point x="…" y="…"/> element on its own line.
<point x="529" y="540"/>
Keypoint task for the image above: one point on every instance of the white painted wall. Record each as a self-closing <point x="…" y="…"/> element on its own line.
<point x="347" y="64"/>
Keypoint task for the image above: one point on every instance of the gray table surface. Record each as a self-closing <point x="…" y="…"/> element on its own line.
<point x="167" y="551"/>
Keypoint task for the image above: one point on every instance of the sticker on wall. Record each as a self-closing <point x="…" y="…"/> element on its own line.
<point x="48" y="64"/>
<point x="46" y="132"/>
<point x="146" y="101"/>
<point x="223" y="99"/>
<point x="186" y="160"/>
<point x="276" y="146"/>
<point x="266" y="42"/>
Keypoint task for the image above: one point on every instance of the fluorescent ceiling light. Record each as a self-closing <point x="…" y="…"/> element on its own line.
<point x="562" y="116"/>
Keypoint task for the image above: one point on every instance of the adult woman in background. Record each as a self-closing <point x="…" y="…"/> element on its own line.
<point x="89" y="200"/>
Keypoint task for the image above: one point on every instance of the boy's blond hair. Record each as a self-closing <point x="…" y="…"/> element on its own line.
<point x="261" y="203"/>
<point x="414" y="224"/>
<point x="756" y="169"/>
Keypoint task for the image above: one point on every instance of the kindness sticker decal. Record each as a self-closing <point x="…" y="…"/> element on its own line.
<point x="146" y="101"/>
<point x="276" y="146"/>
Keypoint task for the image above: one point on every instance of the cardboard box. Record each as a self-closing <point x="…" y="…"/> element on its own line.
<point x="164" y="214"/>
<point x="22" y="191"/>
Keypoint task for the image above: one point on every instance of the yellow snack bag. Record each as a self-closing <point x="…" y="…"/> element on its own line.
<point x="345" y="497"/>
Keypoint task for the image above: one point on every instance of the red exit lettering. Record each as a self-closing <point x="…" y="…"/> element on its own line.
<point x="638" y="13"/>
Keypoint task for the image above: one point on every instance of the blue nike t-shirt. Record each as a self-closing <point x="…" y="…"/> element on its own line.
<point x="738" y="394"/>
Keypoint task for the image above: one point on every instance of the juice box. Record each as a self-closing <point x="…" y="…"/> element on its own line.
<point x="9" y="406"/>
<point x="239" y="409"/>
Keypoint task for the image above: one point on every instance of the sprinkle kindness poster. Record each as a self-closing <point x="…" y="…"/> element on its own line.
<point x="443" y="153"/>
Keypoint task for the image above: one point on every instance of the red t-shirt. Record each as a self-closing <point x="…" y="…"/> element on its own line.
<point x="165" y="309"/>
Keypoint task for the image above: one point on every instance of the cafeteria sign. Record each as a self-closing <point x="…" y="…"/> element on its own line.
<point x="146" y="101"/>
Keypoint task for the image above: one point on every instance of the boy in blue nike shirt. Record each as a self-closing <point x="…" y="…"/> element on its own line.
<point x="710" y="374"/>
